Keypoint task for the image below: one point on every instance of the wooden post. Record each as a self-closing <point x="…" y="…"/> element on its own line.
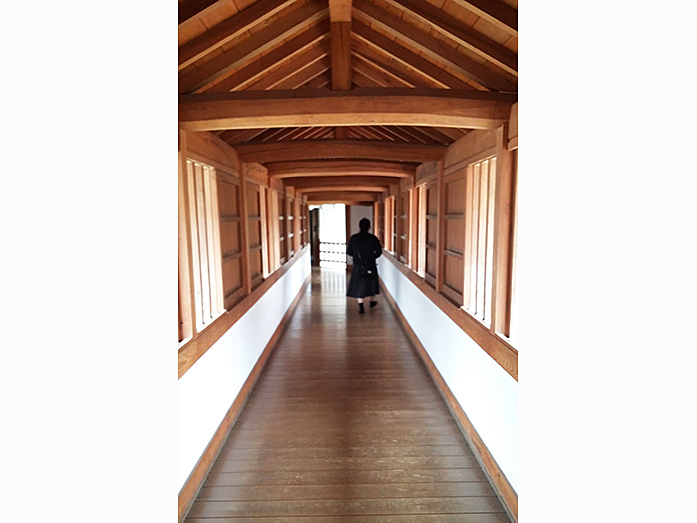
<point x="244" y="214"/>
<point x="440" y="240"/>
<point x="186" y="283"/>
<point x="503" y="235"/>
<point x="265" y="251"/>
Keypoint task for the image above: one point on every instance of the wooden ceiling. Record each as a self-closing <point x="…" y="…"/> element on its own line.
<point x="324" y="84"/>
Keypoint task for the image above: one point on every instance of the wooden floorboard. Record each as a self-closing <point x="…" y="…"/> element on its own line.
<point x="345" y="425"/>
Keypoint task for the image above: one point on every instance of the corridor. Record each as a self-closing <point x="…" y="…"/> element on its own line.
<point x="344" y="425"/>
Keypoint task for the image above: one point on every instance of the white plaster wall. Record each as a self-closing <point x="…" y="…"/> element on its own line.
<point x="208" y="389"/>
<point x="486" y="392"/>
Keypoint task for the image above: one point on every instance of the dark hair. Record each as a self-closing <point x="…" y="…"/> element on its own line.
<point x="364" y="225"/>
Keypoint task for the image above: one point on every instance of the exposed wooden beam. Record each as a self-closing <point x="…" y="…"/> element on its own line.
<point x="438" y="50"/>
<point x="495" y="12"/>
<point x="305" y="74"/>
<point x="367" y="68"/>
<point x="282" y="71"/>
<point x="228" y="29"/>
<point x="408" y="59"/>
<point x="319" y="82"/>
<point x="343" y="195"/>
<point x="291" y="53"/>
<point x="341" y="133"/>
<point x="193" y="79"/>
<point x="462" y="33"/>
<point x="340" y="10"/>
<point x="361" y="80"/>
<point x="324" y="168"/>
<point x="345" y="187"/>
<point x="339" y="149"/>
<point x="393" y="66"/>
<point x="334" y="181"/>
<point x="191" y="8"/>
<point x="294" y="108"/>
<point x="341" y="55"/>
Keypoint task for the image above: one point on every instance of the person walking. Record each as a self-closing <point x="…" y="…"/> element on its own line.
<point x="364" y="248"/>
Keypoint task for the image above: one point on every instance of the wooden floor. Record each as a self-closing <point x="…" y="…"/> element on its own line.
<point x="345" y="425"/>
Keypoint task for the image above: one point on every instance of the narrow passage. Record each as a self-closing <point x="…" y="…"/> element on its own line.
<point x="345" y="425"/>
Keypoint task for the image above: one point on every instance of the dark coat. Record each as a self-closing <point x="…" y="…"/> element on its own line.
<point x="363" y="246"/>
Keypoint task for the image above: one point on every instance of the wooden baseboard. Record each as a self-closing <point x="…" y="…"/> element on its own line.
<point x="501" y="485"/>
<point x="190" y="490"/>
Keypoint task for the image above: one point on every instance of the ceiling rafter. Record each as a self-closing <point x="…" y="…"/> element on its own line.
<point x="495" y="12"/>
<point x="434" y="48"/>
<point x="305" y="75"/>
<point x="189" y="9"/>
<point x="192" y="79"/>
<point x="384" y="79"/>
<point x="462" y="33"/>
<point x="287" y="53"/>
<point x="392" y="66"/>
<point x="273" y="76"/>
<point x="228" y="29"/>
<point x="407" y="58"/>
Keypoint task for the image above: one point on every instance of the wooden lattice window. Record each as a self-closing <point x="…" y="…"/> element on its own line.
<point x="205" y="243"/>
<point x="480" y="209"/>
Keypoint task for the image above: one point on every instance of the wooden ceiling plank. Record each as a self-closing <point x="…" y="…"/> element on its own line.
<point x="228" y="29"/>
<point x="496" y="12"/>
<point x="344" y="195"/>
<point x="452" y="133"/>
<point x="462" y="33"/>
<point x="341" y="55"/>
<point x="401" y="135"/>
<point x="344" y="187"/>
<point x="191" y="8"/>
<point x="366" y="68"/>
<point x="408" y="59"/>
<point x="382" y="133"/>
<point x="331" y="168"/>
<point x="316" y="150"/>
<point x="289" y="132"/>
<point x="292" y="54"/>
<point x="436" y="49"/>
<point x="319" y="82"/>
<point x="269" y="134"/>
<point x="305" y="75"/>
<point x="392" y="66"/>
<point x="288" y="69"/>
<point x="192" y="79"/>
<point x="316" y="134"/>
<point x="383" y="106"/>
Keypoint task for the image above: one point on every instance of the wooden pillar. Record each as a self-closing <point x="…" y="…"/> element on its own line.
<point x="186" y="283"/>
<point x="244" y="215"/>
<point x="503" y="235"/>
<point x="440" y="240"/>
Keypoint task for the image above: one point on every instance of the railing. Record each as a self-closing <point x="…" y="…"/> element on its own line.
<point x="332" y="254"/>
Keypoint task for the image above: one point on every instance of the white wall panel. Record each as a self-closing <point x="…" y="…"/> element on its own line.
<point x="485" y="391"/>
<point x="208" y="389"/>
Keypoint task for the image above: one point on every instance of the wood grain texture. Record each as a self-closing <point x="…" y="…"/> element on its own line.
<point x="341" y="55"/>
<point x="365" y="106"/>
<point x="492" y="469"/>
<point x="338" y="150"/>
<point x="345" y="424"/>
<point x="195" y="480"/>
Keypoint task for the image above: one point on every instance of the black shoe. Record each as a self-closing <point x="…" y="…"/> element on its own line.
<point x="373" y="304"/>
<point x="361" y="309"/>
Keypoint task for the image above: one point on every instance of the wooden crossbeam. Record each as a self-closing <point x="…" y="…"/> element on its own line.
<point x="340" y="180"/>
<point x="338" y="150"/>
<point x="297" y="108"/>
<point x="228" y="29"/>
<point x="343" y="195"/>
<point x="192" y="79"/>
<point x="345" y="187"/>
<point x="325" y="168"/>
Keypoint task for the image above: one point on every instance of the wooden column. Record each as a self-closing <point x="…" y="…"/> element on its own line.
<point x="265" y="251"/>
<point x="296" y="222"/>
<point x="503" y="235"/>
<point x="440" y="241"/>
<point x="244" y="215"/>
<point x="186" y="283"/>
